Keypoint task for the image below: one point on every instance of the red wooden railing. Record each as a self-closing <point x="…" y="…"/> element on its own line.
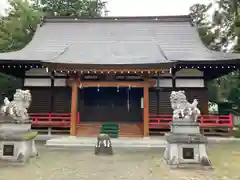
<point x="155" y="120"/>
<point x="52" y="119"/>
<point x="162" y="120"/>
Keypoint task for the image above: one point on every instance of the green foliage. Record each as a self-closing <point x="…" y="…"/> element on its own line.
<point x="234" y="93"/>
<point x="216" y="34"/>
<point x="206" y="35"/>
<point x="199" y="17"/>
<point x="76" y="8"/>
<point x="18" y="27"/>
<point x="8" y="85"/>
<point x="226" y="21"/>
<point x="198" y="13"/>
<point x="236" y="131"/>
<point x="212" y="91"/>
<point x="225" y="89"/>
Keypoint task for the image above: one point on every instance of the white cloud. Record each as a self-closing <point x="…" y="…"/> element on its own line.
<point x="142" y="7"/>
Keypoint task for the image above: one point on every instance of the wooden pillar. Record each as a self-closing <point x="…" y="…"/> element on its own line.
<point x="146" y="111"/>
<point x="205" y="108"/>
<point x="52" y="76"/>
<point x="74" y="108"/>
<point x="206" y="99"/>
<point x="174" y="78"/>
<point x="23" y="78"/>
<point x="204" y="103"/>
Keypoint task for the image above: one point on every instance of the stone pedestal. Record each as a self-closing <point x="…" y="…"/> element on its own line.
<point x="104" y="145"/>
<point x="186" y="147"/>
<point x="10" y="127"/>
<point x="17" y="143"/>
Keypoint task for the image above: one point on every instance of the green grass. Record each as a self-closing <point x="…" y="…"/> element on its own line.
<point x="226" y="160"/>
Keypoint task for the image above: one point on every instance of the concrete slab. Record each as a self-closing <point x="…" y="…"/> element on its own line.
<point x="159" y="141"/>
<point x="91" y="142"/>
<point x="45" y="137"/>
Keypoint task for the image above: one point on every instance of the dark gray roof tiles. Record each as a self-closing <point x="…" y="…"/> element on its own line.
<point x="128" y="40"/>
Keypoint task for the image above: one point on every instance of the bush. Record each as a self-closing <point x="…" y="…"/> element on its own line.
<point x="236" y="131"/>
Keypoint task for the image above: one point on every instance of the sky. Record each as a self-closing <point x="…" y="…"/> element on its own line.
<point x="142" y="7"/>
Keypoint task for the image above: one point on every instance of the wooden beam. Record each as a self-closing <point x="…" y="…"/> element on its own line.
<point x="139" y="84"/>
<point x="115" y="70"/>
<point x="74" y="108"/>
<point x="136" y="84"/>
<point x="146" y="111"/>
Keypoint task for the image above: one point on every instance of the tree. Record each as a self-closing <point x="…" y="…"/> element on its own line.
<point x="8" y="85"/>
<point x="16" y="30"/>
<point x="76" y="8"/>
<point x="216" y="34"/>
<point x="18" y="27"/>
<point x="198" y="13"/>
<point x="200" y="18"/>
<point x="234" y="93"/>
<point x="227" y="23"/>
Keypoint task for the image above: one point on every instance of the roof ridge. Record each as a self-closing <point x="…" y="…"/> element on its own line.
<point x="69" y="19"/>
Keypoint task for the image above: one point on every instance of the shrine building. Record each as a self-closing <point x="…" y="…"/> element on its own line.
<point x="83" y="73"/>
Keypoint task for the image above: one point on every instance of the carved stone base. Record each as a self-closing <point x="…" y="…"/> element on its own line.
<point x="17" y="148"/>
<point x="104" y="145"/>
<point x="184" y="126"/>
<point x="186" y="151"/>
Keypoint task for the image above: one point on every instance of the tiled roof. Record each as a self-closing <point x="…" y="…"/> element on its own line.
<point x="117" y="40"/>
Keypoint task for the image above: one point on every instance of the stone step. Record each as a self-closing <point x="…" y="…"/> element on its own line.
<point x="90" y="130"/>
<point x="130" y="130"/>
<point x="130" y="135"/>
<point x="91" y="142"/>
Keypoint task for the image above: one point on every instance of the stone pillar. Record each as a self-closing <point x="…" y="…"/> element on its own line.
<point x="146" y="111"/>
<point x="74" y="108"/>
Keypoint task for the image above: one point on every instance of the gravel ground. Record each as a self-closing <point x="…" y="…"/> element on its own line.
<point x="126" y="164"/>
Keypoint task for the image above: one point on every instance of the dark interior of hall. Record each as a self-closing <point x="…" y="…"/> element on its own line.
<point x="110" y="104"/>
